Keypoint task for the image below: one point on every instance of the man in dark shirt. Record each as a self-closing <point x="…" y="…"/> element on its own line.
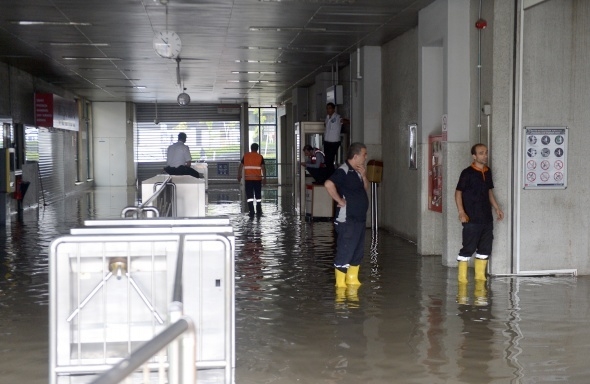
<point x="474" y="197"/>
<point x="348" y="187"/>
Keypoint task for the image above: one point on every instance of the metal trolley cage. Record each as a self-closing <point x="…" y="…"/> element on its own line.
<point x="110" y="288"/>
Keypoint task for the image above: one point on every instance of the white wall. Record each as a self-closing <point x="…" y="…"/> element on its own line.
<point x="113" y="145"/>
<point x="399" y="189"/>
<point x="444" y="25"/>
<point x="554" y="224"/>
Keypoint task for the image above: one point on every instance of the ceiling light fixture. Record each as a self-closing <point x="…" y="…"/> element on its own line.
<point x="92" y="58"/>
<point x="248" y="81"/>
<point x="79" y="44"/>
<point x="286" y="29"/>
<point x="263" y="48"/>
<point x="310" y="1"/>
<point x="183" y="99"/>
<point x="126" y="86"/>
<point x="113" y="78"/>
<point x="256" y="72"/>
<point x="262" y="61"/>
<point x="69" y="23"/>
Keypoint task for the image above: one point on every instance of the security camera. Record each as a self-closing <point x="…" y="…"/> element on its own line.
<point x="156" y="121"/>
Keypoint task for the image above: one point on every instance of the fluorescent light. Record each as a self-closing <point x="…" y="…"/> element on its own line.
<point x="248" y="81"/>
<point x="262" y="61"/>
<point x="92" y="58"/>
<point x="80" y="44"/>
<point x="310" y="1"/>
<point x="287" y="29"/>
<point x="268" y="48"/>
<point x="49" y="23"/>
<point x="126" y="86"/>
<point x="256" y="72"/>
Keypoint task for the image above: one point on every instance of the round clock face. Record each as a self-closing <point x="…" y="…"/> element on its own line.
<point x="167" y="44"/>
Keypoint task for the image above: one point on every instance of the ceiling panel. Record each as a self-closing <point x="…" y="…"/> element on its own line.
<point x="106" y="58"/>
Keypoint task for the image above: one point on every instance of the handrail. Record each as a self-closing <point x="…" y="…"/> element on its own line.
<point x="158" y="191"/>
<point x="140" y="356"/>
<point x="145" y="206"/>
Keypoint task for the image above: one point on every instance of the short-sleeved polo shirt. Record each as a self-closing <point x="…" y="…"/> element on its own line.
<point x="349" y="184"/>
<point x="475" y="185"/>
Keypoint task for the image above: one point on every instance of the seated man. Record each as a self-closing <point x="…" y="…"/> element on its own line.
<point x="315" y="164"/>
<point x="179" y="159"/>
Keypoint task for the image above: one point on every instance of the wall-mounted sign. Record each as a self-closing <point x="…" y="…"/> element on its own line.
<point x="545" y="158"/>
<point x="44" y="110"/>
<point x="444" y="127"/>
<point x="229" y="109"/>
<point x="412" y="145"/>
<point x="223" y="169"/>
<point x="52" y="111"/>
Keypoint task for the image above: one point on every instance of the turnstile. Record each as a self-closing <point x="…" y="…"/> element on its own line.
<point x="190" y="197"/>
<point x="111" y="284"/>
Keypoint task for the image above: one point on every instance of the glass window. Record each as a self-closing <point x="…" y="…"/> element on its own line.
<point x="265" y="132"/>
<point x="262" y="129"/>
<point x="31" y="143"/>
<point x="207" y="140"/>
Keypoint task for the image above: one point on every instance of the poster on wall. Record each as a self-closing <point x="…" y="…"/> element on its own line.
<point x="545" y="158"/>
<point x="53" y="111"/>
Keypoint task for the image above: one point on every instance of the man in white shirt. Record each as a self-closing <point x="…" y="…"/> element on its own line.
<point x="178" y="159"/>
<point x="333" y="125"/>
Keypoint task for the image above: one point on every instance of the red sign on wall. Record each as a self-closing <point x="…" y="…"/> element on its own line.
<point x="44" y="110"/>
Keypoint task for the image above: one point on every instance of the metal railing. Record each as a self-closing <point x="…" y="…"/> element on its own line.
<point x="164" y="198"/>
<point x="181" y="355"/>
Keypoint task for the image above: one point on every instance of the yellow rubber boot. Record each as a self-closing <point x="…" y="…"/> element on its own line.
<point x="462" y="297"/>
<point x="352" y="295"/>
<point x="340" y="294"/>
<point x="480" y="269"/>
<point x="462" y="272"/>
<point x="352" y="276"/>
<point x="480" y="292"/>
<point x="340" y="279"/>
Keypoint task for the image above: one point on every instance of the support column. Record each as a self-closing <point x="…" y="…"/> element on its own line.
<point x="444" y="32"/>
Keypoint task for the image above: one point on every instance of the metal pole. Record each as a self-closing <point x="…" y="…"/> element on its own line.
<point x="374" y="213"/>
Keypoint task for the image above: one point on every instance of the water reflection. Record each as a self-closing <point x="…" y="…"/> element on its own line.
<point x="406" y="323"/>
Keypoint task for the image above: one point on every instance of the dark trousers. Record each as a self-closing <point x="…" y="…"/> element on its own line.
<point x="254" y="193"/>
<point x="350" y="244"/>
<point x="477" y="238"/>
<point x="331" y="150"/>
<point x="319" y="174"/>
<point x="182" y="170"/>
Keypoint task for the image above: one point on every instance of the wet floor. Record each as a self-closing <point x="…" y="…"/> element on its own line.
<point x="404" y="325"/>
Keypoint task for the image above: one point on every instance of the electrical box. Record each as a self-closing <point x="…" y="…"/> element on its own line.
<point x="435" y="173"/>
<point x="318" y="203"/>
<point x="375" y="171"/>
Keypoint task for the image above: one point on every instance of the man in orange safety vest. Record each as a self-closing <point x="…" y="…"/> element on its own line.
<point x="252" y="166"/>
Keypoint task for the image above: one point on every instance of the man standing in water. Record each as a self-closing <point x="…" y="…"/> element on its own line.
<point x="348" y="187"/>
<point x="252" y="165"/>
<point x="331" y="142"/>
<point x="474" y="197"/>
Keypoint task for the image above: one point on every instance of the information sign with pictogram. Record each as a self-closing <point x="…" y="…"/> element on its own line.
<point x="545" y="158"/>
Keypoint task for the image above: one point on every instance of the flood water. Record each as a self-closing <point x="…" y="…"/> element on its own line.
<point x="404" y="325"/>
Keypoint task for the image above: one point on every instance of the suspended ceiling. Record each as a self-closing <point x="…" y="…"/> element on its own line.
<point x="232" y="50"/>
